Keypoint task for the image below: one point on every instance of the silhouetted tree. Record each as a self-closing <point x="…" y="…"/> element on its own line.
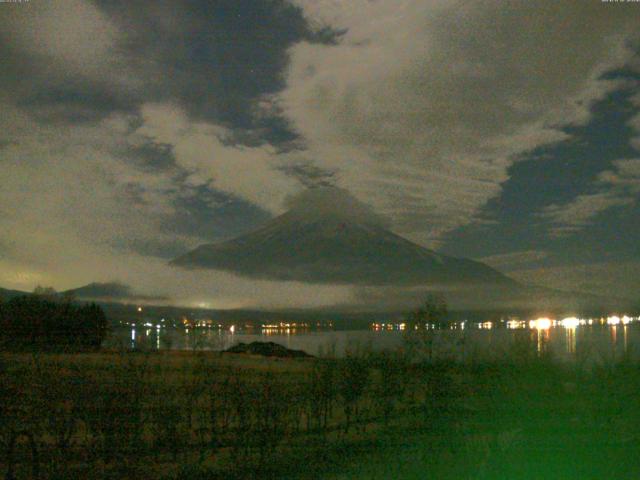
<point x="321" y="392"/>
<point x="92" y="325"/>
<point x="352" y="381"/>
<point x="391" y="385"/>
<point x="420" y="323"/>
<point x="45" y="292"/>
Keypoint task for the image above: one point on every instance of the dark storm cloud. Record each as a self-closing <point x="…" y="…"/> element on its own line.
<point x="574" y="205"/>
<point x="74" y="101"/>
<point x="151" y="155"/>
<point x="214" y="216"/>
<point x="558" y="175"/>
<point x="216" y="58"/>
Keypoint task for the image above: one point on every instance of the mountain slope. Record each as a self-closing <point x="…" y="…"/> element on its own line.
<point x="110" y="291"/>
<point x="327" y="247"/>
<point x="6" y="294"/>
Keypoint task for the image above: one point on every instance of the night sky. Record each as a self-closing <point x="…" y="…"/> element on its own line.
<point x="131" y="132"/>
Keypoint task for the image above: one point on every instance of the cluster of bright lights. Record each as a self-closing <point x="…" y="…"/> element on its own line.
<point x="385" y="326"/>
<point x="207" y="323"/>
<point x="574" y="322"/>
<point x="544" y="323"/>
<point x="284" y="326"/>
<point x="615" y="320"/>
<point x="516" y="324"/>
<point x="540" y="324"/>
<point x="571" y="322"/>
<point x="397" y="326"/>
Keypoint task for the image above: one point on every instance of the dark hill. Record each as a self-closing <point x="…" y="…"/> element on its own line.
<point x="6" y="294"/>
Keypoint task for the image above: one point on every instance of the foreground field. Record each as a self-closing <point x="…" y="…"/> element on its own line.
<point x="196" y="415"/>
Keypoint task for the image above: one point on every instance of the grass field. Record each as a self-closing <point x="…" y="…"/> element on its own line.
<point x="207" y="415"/>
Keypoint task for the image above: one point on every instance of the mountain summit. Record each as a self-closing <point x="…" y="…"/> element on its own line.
<point x="337" y="241"/>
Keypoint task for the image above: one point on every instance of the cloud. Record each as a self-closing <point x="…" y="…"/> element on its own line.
<point x="77" y="206"/>
<point x="514" y="260"/>
<point x="108" y="167"/>
<point x="71" y="34"/>
<point x="213" y="59"/>
<point x="156" y="184"/>
<point x="634" y="123"/>
<point x="208" y="289"/>
<point x="580" y="212"/>
<point x="614" y="188"/>
<point x="63" y="61"/>
<point x="326" y="200"/>
<point x="66" y="188"/>
<point x="617" y="279"/>
<point x="203" y="151"/>
<point x="421" y="107"/>
<point x="133" y="132"/>
<point x="73" y="212"/>
<point x="80" y="60"/>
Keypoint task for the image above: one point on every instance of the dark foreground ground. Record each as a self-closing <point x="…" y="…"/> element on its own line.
<point x="207" y="416"/>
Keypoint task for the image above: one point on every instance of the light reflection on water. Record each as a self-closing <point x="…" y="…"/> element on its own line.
<point x="567" y="339"/>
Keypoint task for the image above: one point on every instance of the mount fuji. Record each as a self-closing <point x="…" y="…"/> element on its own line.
<point x="336" y="241"/>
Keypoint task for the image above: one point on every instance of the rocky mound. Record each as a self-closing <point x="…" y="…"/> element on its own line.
<point x="267" y="349"/>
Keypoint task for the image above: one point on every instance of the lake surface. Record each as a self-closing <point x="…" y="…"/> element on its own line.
<point x="569" y="339"/>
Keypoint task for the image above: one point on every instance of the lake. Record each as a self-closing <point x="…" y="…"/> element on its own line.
<point x="569" y="339"/>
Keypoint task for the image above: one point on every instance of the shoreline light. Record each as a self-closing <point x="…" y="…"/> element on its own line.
<point x="516" y="324"/>
<point x="540" y="324"/>
<point x="570" y="322"/>
<point x="613" y="320"/>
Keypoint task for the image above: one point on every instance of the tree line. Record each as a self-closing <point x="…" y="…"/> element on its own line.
<point x="46" y="320"/>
